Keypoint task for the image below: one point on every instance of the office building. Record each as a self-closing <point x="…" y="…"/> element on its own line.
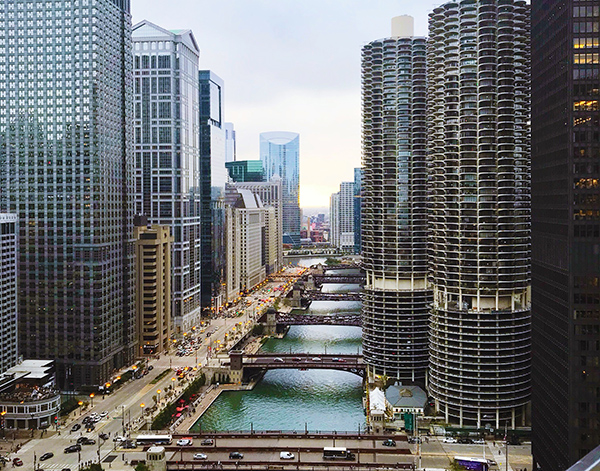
<point x="394" y="219"/>
<point x="230" y="143"/>
<point x="167" y="152"/>
<point x="246" y="171"/>
<point x="153" y="287"/>
<point x="479" y="218"/>
<point x="280" y="154"/>
<point x="213" y="177"/>
<point x="246" y="241"/>
<point x="270" y="196"/>
<point x="9" y="232"/>
<point x="358" y="175"/>
<point x="342" y="217"/>
<point x="67" y="168"/>
<point x="565" y="204"/>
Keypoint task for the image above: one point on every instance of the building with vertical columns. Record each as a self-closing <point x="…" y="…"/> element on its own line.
<point x="153" y="287"/>
<point x="167" y="154"/>
<point x="565" y="205"/>
<point x="479" y="218"/>
<point x="9" y="232"/>
<point x="342" y="217"/>
<point x="394" y="215"/>
<point x="66" y="168"/>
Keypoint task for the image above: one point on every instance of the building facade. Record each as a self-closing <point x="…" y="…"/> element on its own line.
<point x="358" y="175"/>
<point x="167" y="154"/>
<point x="230" y="143"/>
<point x="280" y="154"/>
<point x="478" y="136"/>
<point x="394" y="215"/>
<point x="565" y="203"/>
<point x="153" y="287"/>
<point x="9" y="232"/>
<point x="66" y="170"/>
<point x="246" y="171"/>
<point x="342" y="217"/>
<point x="213" y="177"/>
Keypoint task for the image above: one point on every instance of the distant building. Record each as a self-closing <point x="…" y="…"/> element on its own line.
<point x="403" y="399"/>
<point x="153" y="287"/>
<point x="358" y="176"/>
<point x="167" y="152"/>
<point x="246" y="171"/>
<point x="213" y="177"/>
<point x="9" y="232"/>
<point x="342" y="217"/>
<point x="246" y="241"/>
<point x="334" y="219"/>
<point x="230" y="143"/>
<point x="280" y="154"/>
<point x="565" y="234"/>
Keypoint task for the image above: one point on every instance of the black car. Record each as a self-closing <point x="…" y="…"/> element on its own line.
<point x="389" y="442"/>
<point x="80" y="440"/>
<point x="75" y="427"/>
<point x="128" y="444"/>
<point x="46" y="456"/>
<point x="150" y="367"/>
<point x="207" y="441"/>
<point x="235" y="455"/>
<point x="90" y="427"/>
<point x="73" y="448"/>
<point x="88" y="441"/>
<point x="103" y="436"/>
<point x="465" y="440"/>
<point x="414" y="440"/>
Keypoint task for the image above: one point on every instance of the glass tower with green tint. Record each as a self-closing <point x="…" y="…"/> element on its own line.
<point x="66" y="171"/>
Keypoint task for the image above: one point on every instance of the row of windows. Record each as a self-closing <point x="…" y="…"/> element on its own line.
<point x="588" y="11"/>
<point x="586" y="27"/>
<point x="591" y="58"/>
<point x="582" y="72"/>
<point x="587" y="314"/>
<point x="586" y="215"/>
<point x="588" y="230"/>
<point x="585" y="105"/>
<point x="586" y="89"/>
<point x="151" y="62"/>
<point x="582" y="43"/>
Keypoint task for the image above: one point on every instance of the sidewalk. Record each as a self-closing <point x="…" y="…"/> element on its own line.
<point x="498" y="453"/>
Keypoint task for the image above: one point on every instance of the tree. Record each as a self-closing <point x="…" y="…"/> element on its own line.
<point x="453" y="466"/>
<point x="141" y="467"/>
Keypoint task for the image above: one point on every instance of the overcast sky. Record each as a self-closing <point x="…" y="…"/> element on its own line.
<point x="290" y="65"/>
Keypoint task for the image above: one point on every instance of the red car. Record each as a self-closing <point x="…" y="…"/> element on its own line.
<point x="17" y="462"/>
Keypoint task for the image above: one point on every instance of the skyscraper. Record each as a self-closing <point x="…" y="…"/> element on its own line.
<point x="230" y="143"/>
<point x="358" y="176"/>
<point x="66" y="171"/>
<point x="167" y="154"/>
<point x="342" y="217"/>
<point x="478" y="135"/>
<point x="565" y="203"/>
<point x="213" y="177"/>
<point x="280" y="154"/>
<point x="394" y="218"/>
<point x="9" y="231"/>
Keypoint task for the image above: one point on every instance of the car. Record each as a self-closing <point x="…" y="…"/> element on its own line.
<point x="296" y="359"/>
<point x="104" y="413"/>
<point x="278" y="360"/>
<point x="184" y="442"/>
<point x="75" y="427"/>
<point x="492" y="462"/>
<point x="17" y="462"/>
<point x="128" y="444"/>
<point x="73" y="448"/>
<point x="414" y="440"/>
<point x="119" y="438"/>
<point x="46" y="456"/>
<point x="200" y="456"/>
<point x="315" y="359"/>
<point x="4" y="459"/>
<point x="150" y="367"/>
<point x="89" y="441"/>
<point x="90" y="428"/>
<point x="449" y="440"/>
<point x="465" y="440"/>
<point x="479" y="441"/>
<point x="66" y="469"/>
<point x="286" y="455"/>
<point x="389" y="442"/>
<point x="103" y="436"/>
<point x="207" y="441"/>
<point x="236" y="455"/>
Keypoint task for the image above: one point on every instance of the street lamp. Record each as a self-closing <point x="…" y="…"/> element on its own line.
<point x="92" y="398"/>
<point x="80" y="403"/>
<point x="158" y="392"/>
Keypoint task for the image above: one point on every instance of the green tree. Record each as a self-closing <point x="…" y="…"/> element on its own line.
<point x="454" y="466"/>
<point x="141" y="467"/>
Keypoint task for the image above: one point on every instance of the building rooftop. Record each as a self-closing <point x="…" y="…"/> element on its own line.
<point x="406" y="396"/>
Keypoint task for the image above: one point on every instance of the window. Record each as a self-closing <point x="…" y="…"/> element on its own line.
<point x="164" y="62"/>
<point x="164" y="135"/>
<point x="164" y="84"/>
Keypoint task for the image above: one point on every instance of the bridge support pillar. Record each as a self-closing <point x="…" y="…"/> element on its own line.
<point x="236" y="362"/>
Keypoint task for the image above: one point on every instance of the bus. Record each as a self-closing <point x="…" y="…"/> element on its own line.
<point x="472" y="464"/>
<point x="337" y="453"/>
<point x="142" y="440"/>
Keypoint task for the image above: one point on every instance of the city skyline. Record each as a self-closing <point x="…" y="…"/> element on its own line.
<point x="317" y="89"/>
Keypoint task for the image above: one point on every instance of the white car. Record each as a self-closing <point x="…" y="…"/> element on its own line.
<point x="119" y="438"/>
<point x="479" y="441"/>
<point x="286" y="455"/>
<point x="103" y="413"/>
<point x="200" y="456"/>
<point x="449" y="440"/>
<point x="184" y="442"/>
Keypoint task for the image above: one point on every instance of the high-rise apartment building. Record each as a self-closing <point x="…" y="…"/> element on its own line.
<point x="167" y="154"/>
<point x="280" y="154"/>
<point x="342" y="217"/>
<point x="230" y="143"/>
<point x="9" y="231"/>
<point x="213" y="177"/>
<point x="66" y="171"/>
<point x="153" y="287"/>
<point x="478" y="137"/>
<point x="358" y="176"/>
<point x="394" y="220"/>
<point x="565" y="203"/>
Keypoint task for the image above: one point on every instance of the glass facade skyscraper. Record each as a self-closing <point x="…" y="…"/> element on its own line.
<point x="167" y="167"/>
<point x="280" y="154"/>
<point x="9" y="231"/>
<point x="394" y="220"/>
<point x="66" y="171"/>
<point x="479" y="211"/>
<point x="565" y="203"/>
<point x="213" y="177"/>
